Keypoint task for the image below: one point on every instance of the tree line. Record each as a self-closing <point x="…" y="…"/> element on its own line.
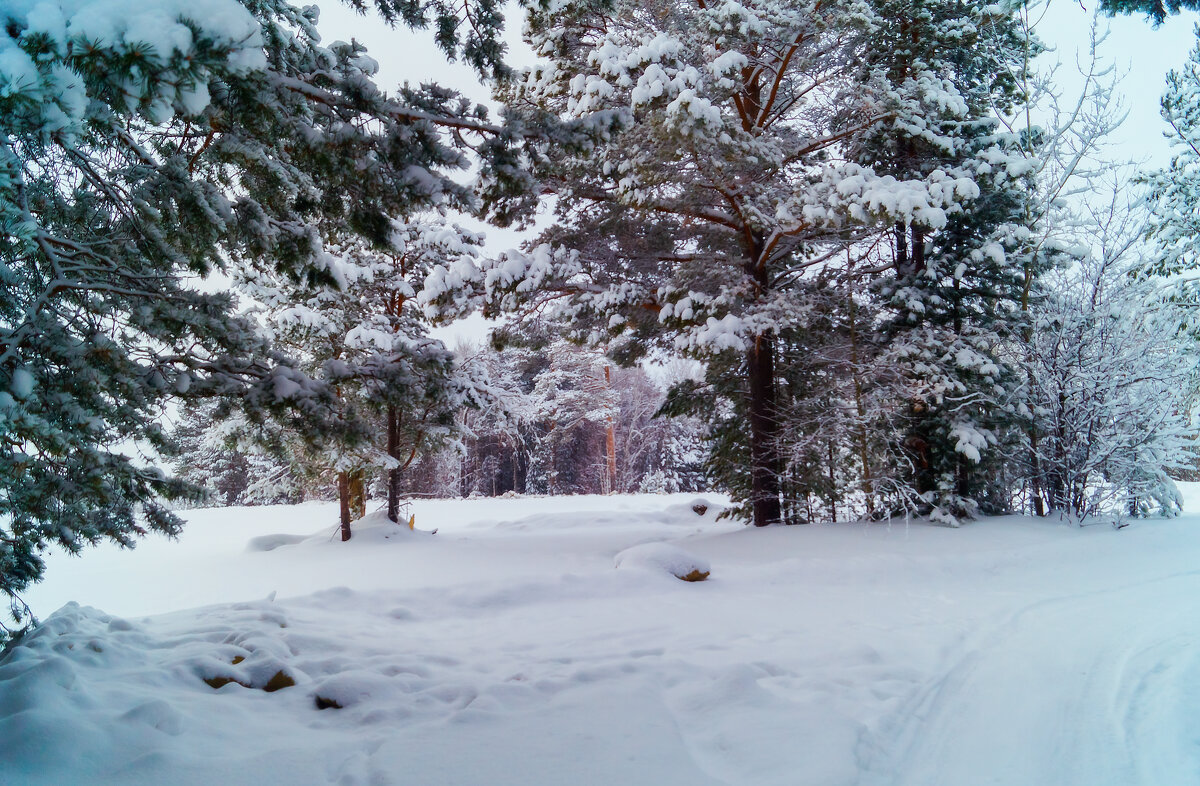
<point x="551" y="418"/>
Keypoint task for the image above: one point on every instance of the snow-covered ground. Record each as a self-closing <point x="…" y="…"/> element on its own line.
<point x="509" y="649"/>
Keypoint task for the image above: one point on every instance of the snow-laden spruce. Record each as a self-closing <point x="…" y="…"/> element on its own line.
<point x="762" y="156"/>
<point x="1175" y="191"/>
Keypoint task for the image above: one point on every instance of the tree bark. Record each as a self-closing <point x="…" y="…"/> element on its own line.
<point x="832" y="487"/>
<point x="393" y="475"/>
<point x="610" y="441"/>
<point x="766" y="468"/>
<point x="1039" y="503"/>
<point x="918" y="250"/>
<point x="901" y="237"/>
<point x="358" y="494"/>
<point x="343" y="483"/>
<point x="765" y="465"/>
<point x="864" y="455"/>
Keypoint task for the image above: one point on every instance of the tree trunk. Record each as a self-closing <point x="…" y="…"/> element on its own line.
<point x="343" y="483"/>
<point x="901" y="237"/>
<point x="1056" y="476"/>
<point x="1035" y="469"/>
<point x="766" y="468"/>
<point x="764" y="428"/>
<point x="1056" y="483"/>
<point x="918" y="250"/>
<point x="926" y="470"/>
<point x="516" y="467"/>
<point x="1035" y="463"/>
<point x="832" y="487"/>
<point x="357" y="493"/>
<point x="864" y="455"/>
<point x="610" y="442"/>
<point x="393" y="475"/>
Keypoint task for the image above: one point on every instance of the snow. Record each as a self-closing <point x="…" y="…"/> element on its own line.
<point x="508" y="649"/>
<point x="663" y="558"/>
<point x="21" y="385"/>
<point x="164" y="29"/>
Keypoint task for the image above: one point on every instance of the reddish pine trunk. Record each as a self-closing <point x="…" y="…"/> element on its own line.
<point x="352" y="499"/>
<point x="765" y="466"/>
<point x="393" y="450"/>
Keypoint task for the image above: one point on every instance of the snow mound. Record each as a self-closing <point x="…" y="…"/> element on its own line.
<point x="372" y="528"/>
<point x="376" y="528"/>
<point x="698" y="510"/>
<point x="664" y="557"/>
<point x="680" y="514"/>
<point x="272" y="542"/>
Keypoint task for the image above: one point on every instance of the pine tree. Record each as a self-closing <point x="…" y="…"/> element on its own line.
<point x="720" y="186"/>
<point x="398" y="390"/>
<point x="1175" y="191"/>
<point x="141" y="147"/>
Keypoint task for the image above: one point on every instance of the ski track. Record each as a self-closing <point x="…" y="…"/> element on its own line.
<point x="1009" y="704"/>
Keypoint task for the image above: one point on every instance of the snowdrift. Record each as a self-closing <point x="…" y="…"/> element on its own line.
<point x="508" y="650"/>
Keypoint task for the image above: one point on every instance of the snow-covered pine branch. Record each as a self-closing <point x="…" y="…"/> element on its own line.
<point x="145" y="145"/>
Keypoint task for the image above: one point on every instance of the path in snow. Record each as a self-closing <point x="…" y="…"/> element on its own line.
<point x="1097" y="688"/>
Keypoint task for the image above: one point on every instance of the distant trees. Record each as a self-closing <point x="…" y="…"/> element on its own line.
<point x="567" y="421"/>
<point x="233" y="461"/>
<point x="555" y="419"/>
<point x="368" y="339"/>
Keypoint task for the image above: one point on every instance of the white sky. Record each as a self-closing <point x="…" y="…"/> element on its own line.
<point x="1138" y="50"/>
<point x="1142" y="53"/>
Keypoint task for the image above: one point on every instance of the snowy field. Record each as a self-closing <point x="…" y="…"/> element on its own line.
<point x="509" y="649"/>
